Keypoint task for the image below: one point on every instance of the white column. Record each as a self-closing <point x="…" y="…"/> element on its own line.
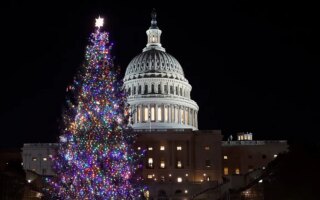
<point x="156" y="113"/>
<point x="135" y="114"/>
<point x="196" y="119"/>
<point x="170" y="113"/>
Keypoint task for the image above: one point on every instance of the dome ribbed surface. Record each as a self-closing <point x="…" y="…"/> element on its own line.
<point x="154" y="61"/>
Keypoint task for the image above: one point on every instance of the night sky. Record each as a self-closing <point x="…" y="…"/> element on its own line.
<point x="252" y="65"/>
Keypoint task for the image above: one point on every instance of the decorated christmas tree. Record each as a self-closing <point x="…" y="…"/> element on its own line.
<point x="95" y="159"/>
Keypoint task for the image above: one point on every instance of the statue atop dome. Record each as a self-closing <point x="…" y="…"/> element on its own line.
<point x="154" y="19"/>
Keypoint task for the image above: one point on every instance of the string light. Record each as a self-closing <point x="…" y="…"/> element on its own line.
<point x="95" y="158"/>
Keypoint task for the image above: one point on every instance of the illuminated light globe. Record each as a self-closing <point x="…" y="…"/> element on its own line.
<point x="159" y="95"/>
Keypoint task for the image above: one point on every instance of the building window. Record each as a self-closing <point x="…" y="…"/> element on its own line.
<point x="171" y="89"/>
<point x="134" y="90"/>
<point x="237" y="171"/>
<point x="150" y="148"/>
<point x="150" y="176"/>
<point x="44" y="171"/>
<point x="240" y="137"/>
<point x="159" y="114"/>
<point x="179" y="148"/>
<point x="179" y="179"/>
<point x="146" y="194"/>
<point x="146" y="114"/>
<point x="150" y="162"/>
<point x="34" y="159"/>
<point x="208" y="163"/>
<point x="225" y="157"/>
<point x="162" y="178"/>
<point x="182" y="115"/>
<point x="139" y="114"/>
<point x="226" y="171"/>
<point x="139" y="89"/>
<point x="165" y="89"/>
<point x="129" y="91"/>
<point x="207" y="148"/>
<point x="44" y="159"/>
<point x="152" y="89"/>
<point x="153" y="113"/>
<point x="166" y="114"/>
<point x="159" y="89"/>
<point x="162" y="164"/>
<point x="146" y="89"/>
<point x="179" y="164"/>
<point x="162" y="148"/>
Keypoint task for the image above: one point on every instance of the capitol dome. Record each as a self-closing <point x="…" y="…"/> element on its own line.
<point x="152" y="62"/>
<point x="158" y="92"/>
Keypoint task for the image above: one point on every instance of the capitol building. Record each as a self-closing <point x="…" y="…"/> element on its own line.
<point x="181" y="162"/>
<point x="159" y="93"/>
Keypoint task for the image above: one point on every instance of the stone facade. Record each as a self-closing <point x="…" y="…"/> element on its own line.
<point x="241" y="157"/>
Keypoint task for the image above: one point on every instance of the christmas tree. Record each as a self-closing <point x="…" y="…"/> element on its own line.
<point x="95" y="159"/>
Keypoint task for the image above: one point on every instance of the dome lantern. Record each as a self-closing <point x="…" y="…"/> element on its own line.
<point x="154" y="34"/>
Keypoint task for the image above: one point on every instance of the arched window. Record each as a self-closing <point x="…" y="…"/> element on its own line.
<point x="177" y="91"/>
<point x="145" y="89"/>
<point x="152" y="89"/>
<point x="134" y="90"/>
<point x="159" y="89"/>
<point x="129" y="91"/>
<point x="166" y="89"/>
<point x="139" y="89"/>
<point x="171" y="89"/>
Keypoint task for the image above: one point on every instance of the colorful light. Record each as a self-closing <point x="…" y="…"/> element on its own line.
<point x="95" y="158"/>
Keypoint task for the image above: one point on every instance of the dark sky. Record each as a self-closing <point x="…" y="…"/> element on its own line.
<point x="252" y="64"/>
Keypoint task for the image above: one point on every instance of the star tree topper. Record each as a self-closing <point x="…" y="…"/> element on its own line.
<point x="99" y="22"/>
